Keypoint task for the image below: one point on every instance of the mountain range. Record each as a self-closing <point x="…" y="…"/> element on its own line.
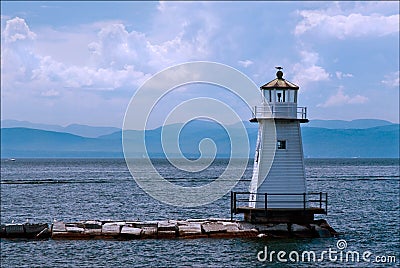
<point x="76" y="129"/>
<point x="367" y="138"/>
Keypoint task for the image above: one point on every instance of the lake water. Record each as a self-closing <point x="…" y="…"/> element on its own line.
<point x="363" y="205"/>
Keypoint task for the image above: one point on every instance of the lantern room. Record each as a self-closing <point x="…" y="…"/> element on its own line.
<point x="279" y="90"/>
<point x="279" y="101"/>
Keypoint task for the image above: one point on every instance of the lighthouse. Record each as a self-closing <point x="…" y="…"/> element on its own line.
<point x="278" y="191"/>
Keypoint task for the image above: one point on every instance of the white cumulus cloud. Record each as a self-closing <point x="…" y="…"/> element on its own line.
<point x="392" y="79"/>
<point x="343" y="26"/>
<point x="116" y="57"/>
<point x="308" y="70"/>
<point x="18" y="60"/>
<point x="119" y="58"/>
<point x="16" y="30"/>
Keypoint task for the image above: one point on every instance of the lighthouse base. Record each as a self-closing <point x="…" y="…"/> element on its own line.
<point x="300" y="216"/>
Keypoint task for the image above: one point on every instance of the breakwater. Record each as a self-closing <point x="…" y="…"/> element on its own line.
<point x="168" y="229"/>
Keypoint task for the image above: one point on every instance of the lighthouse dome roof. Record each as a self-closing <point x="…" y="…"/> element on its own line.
<point x="279" y="83"/>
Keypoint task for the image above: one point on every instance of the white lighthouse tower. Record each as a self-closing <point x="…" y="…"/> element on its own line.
<point x="286" y="174"/>
<point x="278" y="186"/>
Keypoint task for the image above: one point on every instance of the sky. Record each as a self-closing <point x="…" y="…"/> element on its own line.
<point x="81" y="62"/>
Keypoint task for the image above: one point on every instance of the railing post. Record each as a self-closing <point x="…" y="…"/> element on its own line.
<point x="265" y="203"/>
<point x="326" y="203"/>
<point x="231" y="205"/>
<point x="234" y="202"/>
<point x="304" y="201"/>
<point x="320" y="199"/>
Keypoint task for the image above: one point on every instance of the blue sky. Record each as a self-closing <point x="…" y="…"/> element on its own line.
<point x="81" y="62"/>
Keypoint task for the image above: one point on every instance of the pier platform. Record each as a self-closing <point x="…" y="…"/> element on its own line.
<point x="279" y="215"/>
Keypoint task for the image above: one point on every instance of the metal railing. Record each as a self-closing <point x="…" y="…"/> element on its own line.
<point x="282" y="110"/>
<point x="308" y="200"/>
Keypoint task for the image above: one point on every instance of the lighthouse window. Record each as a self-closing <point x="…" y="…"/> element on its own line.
<point x="290" y="95"/>
<point x="281" y="144"/>
<point x="281" y="96"/>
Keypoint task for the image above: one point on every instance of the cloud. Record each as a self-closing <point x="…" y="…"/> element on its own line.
<point x="116" y="47"/>
<point x="342" y="99"/>
<point x="245" y="63"/>
<point x="392" y="79"/>
<point x="18" y="59"/>
<point x="17" y="30"/>
<point x="61" y="68"/>
<point x="88" y="77"/>
<point x="184" y="31"/>
<point x="119" y="58"/>
<point x="116" y="57"/>
<point x="340" y="75"/>
<point x="77" y="68"/>
<point x="307" y="70"/>
<point x="109" y="58"/>
<point x="346" y="26"/>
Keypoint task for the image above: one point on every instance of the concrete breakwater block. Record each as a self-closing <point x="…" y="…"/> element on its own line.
<point x="61" y="230"/>
<point x="238" y="234"/>
<point x="81" y="230"/>
<point x="148" y="228"/>
<point x="26" y="230"/>
<point x="74" y="228"/>
<point x="58" y="227"/>
<point x="92" y="231"/>
<point x="149" y="232"/>
<point x="213" y="227"/>
<point x="131" y="232"/>
<point x="40" y="230"/>
<point x="231" y="227"/>
<point x="167" y="234"/>
<point x="112" y="228"/>
<point x="58" y="230"/>
<point x="92" y="228"/>
<point x="15" y="230"/>
<point x="189" y="229"/>
<point x="167" y="229"/>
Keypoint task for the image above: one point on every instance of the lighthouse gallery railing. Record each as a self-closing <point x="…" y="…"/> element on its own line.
<point x="319" y="200"/>
<point x="281" y="110"/>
